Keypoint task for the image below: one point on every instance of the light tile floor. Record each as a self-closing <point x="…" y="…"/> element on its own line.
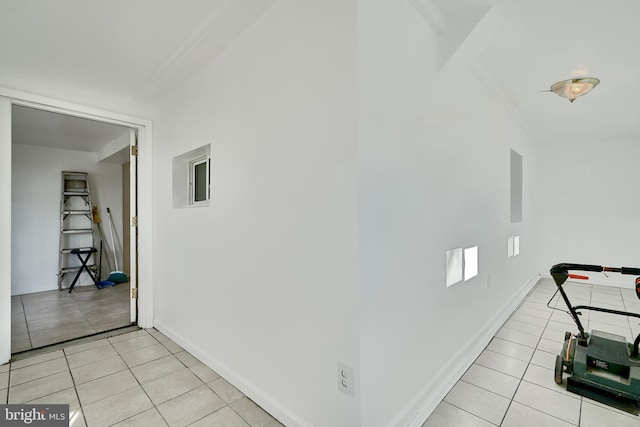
<point x="142" y="378"/>
<point x="511" y="383"/>
<point x="45" y="318"/>
<point x="139" y="378"/>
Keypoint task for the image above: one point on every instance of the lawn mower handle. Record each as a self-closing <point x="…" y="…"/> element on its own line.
<point x="560" y="272"/>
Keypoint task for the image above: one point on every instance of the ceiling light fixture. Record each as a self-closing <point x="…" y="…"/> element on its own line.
<point x="573" y="88"/>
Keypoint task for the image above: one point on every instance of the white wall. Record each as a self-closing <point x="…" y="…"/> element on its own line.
<point x="261" y="285"/>
<point x="35" y="203"/>
<point x="588" y="207"/>
<point x="433" y="173"/>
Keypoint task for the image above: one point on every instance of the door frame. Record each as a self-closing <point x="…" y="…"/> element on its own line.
<point x="133" y="227"/>
<point x="144" y="128"/>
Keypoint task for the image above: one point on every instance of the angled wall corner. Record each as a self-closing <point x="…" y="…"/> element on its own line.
<point x="466" y="37"/>
<point x="463" y="36"/>
<point x="431" y="14"/>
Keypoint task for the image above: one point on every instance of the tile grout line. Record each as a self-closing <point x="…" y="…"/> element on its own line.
<point x="511" y="328"/>
<point x="9" y="382"/>
<point x="24" y="313"/>
<point x="107" y="375"/>
<point x="482" y="388"/>
<point x="549" y="415"/>
<point x="75" y="387"/>
<point x="140" y="384"/>
<point x="580" y="413"/>
<point x="495" y="370"/>
<point x="448" y="403"/>
<point x="580" y="398"/>
<point x="213" y="391"/>
<point x="528" y="363"/>
<point x="204" y="383"/>
<point x="182" y="394"/>
<point x="259" y="407"/>
<point x="75" y="303"/>
<point x="34" y="379"/>
<point x="519" y="378"/>
<point x="187" y="367"/>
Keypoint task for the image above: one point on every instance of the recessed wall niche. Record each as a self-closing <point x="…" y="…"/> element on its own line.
<point x="191" y="178"/>
<point x="513" y="246"/>
<point x="461" y="264"/>
<point x="516" y="187"/>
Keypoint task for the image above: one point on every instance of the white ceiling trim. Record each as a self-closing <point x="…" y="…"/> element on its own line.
<point x="222" y="27"/>
<point x="171" y="64"/>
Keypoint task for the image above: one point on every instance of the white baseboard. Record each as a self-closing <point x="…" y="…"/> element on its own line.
<point x="249" y="389"/>
<point x="415" y="413"/>
<point x="418" y="410"/>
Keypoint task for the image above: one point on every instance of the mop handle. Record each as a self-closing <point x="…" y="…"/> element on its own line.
<point x="113" y="240"/>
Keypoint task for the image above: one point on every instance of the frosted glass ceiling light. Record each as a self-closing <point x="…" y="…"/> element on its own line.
<point x="573" y="88"/>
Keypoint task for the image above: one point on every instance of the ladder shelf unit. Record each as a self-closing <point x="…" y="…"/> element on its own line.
<point x="76" y="224"/>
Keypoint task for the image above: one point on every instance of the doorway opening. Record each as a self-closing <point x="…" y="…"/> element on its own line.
<point x="45" y="144"/>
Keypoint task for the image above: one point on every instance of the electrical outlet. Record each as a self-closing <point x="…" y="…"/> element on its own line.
<point x="346" y="379"/>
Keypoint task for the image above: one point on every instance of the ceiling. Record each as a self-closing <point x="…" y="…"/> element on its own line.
<point x="127" y="56"/>
<point x="541" y="42"/>
<point x="47" y="129"/>
<point x="519" y="48"/>
<point x="120" y="55"/>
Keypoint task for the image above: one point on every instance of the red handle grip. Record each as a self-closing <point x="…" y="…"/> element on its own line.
<point x="578" y="276"/>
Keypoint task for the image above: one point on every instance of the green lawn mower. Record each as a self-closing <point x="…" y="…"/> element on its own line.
<point x="602" y="366"/>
